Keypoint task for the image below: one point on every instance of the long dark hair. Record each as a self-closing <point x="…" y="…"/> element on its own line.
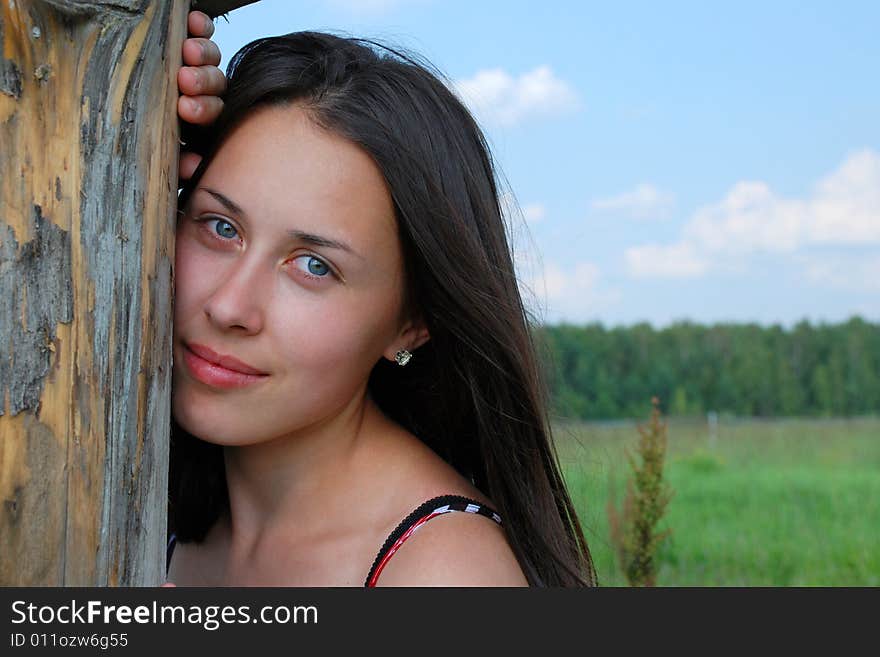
<point x="474" y="392"/>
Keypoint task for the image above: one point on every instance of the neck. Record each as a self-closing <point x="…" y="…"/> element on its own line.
<point x="293" y="486"/>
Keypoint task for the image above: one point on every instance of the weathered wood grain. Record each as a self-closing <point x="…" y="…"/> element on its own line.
<point x="88" y="181"/>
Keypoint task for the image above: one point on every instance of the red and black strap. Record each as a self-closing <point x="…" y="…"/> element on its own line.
<point x="425" y="512"/>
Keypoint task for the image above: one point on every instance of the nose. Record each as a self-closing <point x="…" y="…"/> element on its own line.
<point x="238" y="300"/>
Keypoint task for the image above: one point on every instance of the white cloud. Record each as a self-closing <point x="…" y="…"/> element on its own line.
<point x="750" y="218"/>
<point x="534" y="212"/>
<point x="660" y="261"/>
<point x="645" y="201"/>
<point x="575" y="294"/>
<point x="552" y="291"/>
<point x="846" y="207"/>
<point x="842" y="210"/>
<point x="499" y="97"/>
<point x="847" y="273"/>
<point x="512" y="210"/>
<point x="554" y="283"/>
<point x="586" y="276"/>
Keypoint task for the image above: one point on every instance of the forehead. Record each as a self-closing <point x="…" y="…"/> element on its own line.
<point x="278" y="166"/>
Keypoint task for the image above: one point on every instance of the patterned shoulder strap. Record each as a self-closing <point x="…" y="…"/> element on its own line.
<point x="430" y="509"/>
<point x="170" y="550"/>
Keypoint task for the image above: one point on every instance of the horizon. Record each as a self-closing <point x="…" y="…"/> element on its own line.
<point x="785" y="326"/>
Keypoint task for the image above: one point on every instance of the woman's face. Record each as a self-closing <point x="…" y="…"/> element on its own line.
<point x="287" y="260"/>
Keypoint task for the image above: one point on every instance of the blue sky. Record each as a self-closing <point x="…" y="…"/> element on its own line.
<point x="670" y="161"/>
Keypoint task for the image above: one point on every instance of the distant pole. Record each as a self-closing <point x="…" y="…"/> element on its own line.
<point x="712" y="420"/>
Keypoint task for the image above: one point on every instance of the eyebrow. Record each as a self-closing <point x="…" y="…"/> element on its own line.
<point x="318" y="240"/>
<point x="230" y="205"/>
<point x="302" y="236"/>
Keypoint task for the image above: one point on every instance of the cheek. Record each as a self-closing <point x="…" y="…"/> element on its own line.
<point x="342" y="339"/>
<point x="325" y="334"/>
<point x="192" y="271"/>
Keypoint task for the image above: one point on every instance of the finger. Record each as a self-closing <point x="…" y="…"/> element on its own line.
<point x="199" y="24"/>
<point x="201" y="81"/>
<point x="201" y="110"/>
<point x="167" y="585"/>
<point x="198" y="52"/>
<point x="189" y="162"/>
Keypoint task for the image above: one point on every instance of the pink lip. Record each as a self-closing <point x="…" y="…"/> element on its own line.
<point x="218" y="370"/>
<point x="227" y="362"/>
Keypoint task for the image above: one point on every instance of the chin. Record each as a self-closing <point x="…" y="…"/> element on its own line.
<point x="205" y="425"/>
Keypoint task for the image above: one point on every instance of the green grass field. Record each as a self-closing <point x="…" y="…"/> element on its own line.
<point x="766" y="503"/>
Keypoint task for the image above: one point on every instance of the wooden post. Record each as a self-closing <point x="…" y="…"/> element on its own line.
<point x="88" y="183"/>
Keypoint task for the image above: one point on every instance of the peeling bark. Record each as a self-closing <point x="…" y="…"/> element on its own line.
<point x="38" y="278"/>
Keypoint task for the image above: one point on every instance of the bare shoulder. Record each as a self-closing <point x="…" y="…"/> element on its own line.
<point x="454" y="549"/>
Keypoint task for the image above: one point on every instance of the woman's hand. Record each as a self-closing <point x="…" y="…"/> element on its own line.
<point x="201" y="83"/>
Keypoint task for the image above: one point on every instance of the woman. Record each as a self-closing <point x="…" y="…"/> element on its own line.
<point x="352" y="359"/>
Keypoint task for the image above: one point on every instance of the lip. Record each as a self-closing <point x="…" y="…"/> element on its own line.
<point x="226" y="362"/>
<point x="219" y="370"/>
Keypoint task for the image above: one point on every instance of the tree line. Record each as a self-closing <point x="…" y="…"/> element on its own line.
<point x="595" y="372"/>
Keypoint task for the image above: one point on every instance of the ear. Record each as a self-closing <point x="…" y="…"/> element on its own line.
<point x="412" y="336"/>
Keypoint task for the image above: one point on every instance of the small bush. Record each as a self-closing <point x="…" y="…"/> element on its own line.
<point x="634" y="532"/>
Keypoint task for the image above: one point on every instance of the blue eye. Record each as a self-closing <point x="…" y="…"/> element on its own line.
<point x="224" y="229"/>
<point x="313" y="266"/>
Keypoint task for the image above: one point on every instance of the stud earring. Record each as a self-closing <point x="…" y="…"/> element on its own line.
<point x="402" y="357"/>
